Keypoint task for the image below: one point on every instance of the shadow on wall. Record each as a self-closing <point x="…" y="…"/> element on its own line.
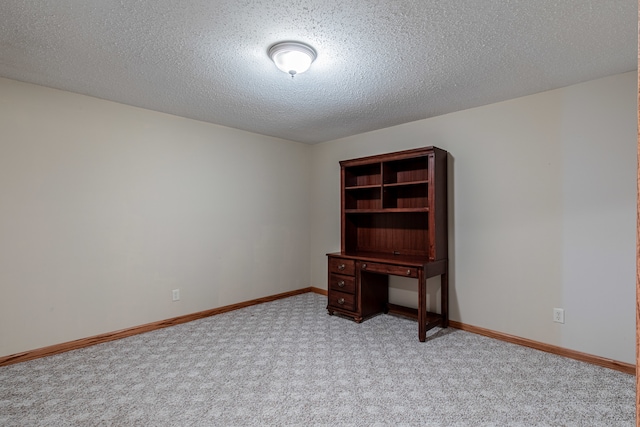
<point x="451" y="226"/>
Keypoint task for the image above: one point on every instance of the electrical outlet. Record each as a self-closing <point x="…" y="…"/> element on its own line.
<point x="176" y="294"/>
<point x="558" y="315"/>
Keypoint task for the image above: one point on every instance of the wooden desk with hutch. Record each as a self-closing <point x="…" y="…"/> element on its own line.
<point x="393" y="222"/>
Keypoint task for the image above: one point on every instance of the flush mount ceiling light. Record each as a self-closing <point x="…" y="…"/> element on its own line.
<point x="292" y="57"/>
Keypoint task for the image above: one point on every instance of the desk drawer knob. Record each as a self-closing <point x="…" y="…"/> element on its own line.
<point x="340" y="301"/>
<point x="364" y="266"/>
<point x="341" y="267"/>
<point x="341" y="284"/>
<point x="408" y="272"/>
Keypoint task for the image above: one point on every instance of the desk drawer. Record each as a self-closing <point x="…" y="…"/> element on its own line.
<point x="342" y="300"/>
<point x="342" y="266"/>
<point x="341" y="283"/>
<point x="396" y="270"/>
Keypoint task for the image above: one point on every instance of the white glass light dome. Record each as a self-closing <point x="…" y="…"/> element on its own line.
<point x="292" y="57"/>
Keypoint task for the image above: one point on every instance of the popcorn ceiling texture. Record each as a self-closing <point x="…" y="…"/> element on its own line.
<point x="380" y="62"/>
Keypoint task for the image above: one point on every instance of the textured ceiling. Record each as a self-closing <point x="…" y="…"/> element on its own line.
<point x="380" y="62"/>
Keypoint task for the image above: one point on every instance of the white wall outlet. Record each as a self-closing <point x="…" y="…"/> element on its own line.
<point x="176" y="294"/>
<point x="558" y="315"/>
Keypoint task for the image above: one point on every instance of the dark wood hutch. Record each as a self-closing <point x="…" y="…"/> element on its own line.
<point x="393" y="222"/>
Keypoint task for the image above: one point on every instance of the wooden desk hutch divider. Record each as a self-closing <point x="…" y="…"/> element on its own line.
<point x="393" y="222"/>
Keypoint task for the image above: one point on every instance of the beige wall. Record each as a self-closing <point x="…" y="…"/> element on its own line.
<point x="542" y="200"/>
<point x="106" y="208"/>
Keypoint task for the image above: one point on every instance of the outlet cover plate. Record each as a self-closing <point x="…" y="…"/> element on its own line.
<point x="558" y="315"/>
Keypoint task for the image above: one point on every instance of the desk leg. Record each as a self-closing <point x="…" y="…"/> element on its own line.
<point x="444" y="297"/>
<point x="422" y="306"/>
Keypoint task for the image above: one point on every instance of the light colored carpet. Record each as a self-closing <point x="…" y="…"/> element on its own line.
<point x="288" y="363"/>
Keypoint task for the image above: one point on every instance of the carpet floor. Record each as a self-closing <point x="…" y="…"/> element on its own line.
<point x="289" y="363"/>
